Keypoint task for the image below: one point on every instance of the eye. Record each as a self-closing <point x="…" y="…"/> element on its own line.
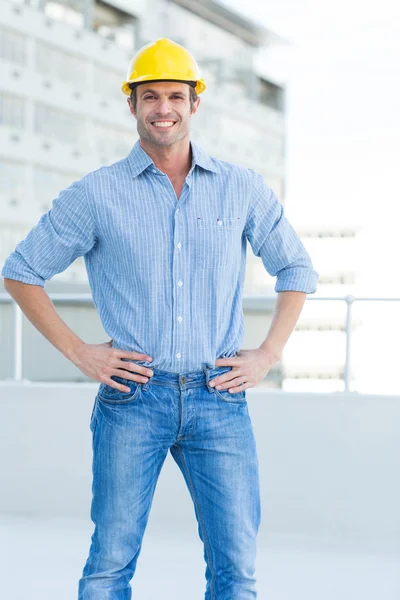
<point x="150" y="96"/>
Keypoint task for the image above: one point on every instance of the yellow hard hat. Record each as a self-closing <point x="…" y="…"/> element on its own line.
<point x="163" y="60"/>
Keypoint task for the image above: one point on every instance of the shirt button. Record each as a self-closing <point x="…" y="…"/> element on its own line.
<point x="154" y="171"/>
<point x="179" y="319"/>
<point x="179" y="245"/>
<point x="177" y="210"/>
<point x="219" y="222"/>
<point x="178" y="355"/>
<point x="180" y="283"/>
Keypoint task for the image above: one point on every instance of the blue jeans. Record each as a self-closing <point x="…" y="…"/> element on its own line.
<point x="210" y="436"/>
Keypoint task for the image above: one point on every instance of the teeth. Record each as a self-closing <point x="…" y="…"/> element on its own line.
<point x="164" y="124"/>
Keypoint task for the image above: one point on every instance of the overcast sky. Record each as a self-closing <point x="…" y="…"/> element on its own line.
<point x="343" y="119"/>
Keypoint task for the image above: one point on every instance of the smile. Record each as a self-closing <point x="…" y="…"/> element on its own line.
<point x="163" y="124"/>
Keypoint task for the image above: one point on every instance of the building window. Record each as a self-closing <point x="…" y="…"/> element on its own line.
<point x="115" y="25"/>
<point x="341" y="278"/>
<point x="12" y="46"/>
<point x="67" y="14"/>
<point x="271" y="94"/>
<point x="47" y="185"/>
<point x="12" y="180"/>
<point x="59" y="124"/>
<point x="108" y="82"/>
<point x="60" y="65"/>
<point x="12" y="109"/>
<point x="116" y="143"/>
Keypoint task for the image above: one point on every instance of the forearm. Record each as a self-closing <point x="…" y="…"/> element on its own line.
<point x="39" y="309"/>
<point x="287" y="310"/>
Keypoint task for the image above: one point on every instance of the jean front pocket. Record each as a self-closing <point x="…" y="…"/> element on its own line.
<point x="226" y="396"/>
<point x="218" y="241"/>
<point x="111" y="395"/>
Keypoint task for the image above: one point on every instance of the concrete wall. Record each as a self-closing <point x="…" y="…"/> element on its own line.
<point x="329" y="463"/>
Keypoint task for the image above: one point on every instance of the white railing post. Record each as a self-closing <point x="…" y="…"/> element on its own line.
<point x="347" y="367"/>
<point x="17" y="342"/>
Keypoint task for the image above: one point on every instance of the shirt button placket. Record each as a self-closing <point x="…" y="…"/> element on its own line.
<point x="179" y="300"/>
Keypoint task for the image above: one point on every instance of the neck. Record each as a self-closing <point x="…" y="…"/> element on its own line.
<point x="175" y="160"/>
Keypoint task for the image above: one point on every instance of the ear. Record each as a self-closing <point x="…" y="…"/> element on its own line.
<point x="195" y="107"/>
<point x="133" y="112"/>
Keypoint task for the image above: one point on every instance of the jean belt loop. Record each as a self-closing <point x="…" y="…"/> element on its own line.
<point x="207" y="374"/>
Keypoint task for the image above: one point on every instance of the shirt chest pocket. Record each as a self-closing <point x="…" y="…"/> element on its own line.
<point x="217" y="241"/>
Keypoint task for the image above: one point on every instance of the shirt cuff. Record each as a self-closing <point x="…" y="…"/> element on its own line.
<point x="17" y="268"/>
<point x="297" y="280"/>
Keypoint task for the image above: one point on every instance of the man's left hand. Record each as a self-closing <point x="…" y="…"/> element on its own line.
<point x="249" y="367"/>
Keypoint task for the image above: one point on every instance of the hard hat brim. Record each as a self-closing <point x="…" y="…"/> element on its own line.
<point x="126" y="85"/>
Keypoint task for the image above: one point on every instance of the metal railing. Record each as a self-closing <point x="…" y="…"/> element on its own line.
<point x="86" y="298"/>
<point x="350" y="300"/>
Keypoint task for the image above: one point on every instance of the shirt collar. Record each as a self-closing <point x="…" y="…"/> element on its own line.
<point x="139" y="160"/>
<point x="202" y="159"/>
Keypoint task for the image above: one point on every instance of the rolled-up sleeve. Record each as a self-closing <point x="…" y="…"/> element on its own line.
<point x="272" y="238"/>
<point x="62" y="234"/>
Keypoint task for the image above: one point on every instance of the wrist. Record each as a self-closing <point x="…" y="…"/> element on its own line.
<point x="72" y="350"/>
<point x="272" y="353"/>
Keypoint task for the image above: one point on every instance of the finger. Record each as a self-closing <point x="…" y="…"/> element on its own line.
<point x="132" y="355"/>
<point x="239" y="388"/>
<point x="231" y="384"/>
<point x="228" y="376"/>
<point x="116" y="385"/>
<point x="226" y="362"/>
<point x="132" y="376"/>
<point x="120" y="386"/>
<point x="132" y="367"/>
<point x="216" y="381"/>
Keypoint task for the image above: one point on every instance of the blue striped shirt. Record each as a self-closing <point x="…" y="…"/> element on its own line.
<point x="167" y="274"/>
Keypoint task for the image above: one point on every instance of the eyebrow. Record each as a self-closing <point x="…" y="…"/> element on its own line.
<point x="154" y="92"/>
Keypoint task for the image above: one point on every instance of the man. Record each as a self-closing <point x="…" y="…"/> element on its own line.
<point x="163" y="233"/>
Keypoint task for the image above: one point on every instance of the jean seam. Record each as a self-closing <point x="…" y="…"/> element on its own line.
<point x="92" y="413"/>
<point x="206" y="543"/>
<point x="93" y="418"/>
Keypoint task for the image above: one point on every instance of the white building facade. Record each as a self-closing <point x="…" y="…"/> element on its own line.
<point x="62" y="114"/>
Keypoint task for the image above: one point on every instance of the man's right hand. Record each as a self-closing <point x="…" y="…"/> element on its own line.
<point x="100" y="361"/>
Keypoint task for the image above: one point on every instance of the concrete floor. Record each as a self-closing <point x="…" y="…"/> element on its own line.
<point x="42" y="559"/>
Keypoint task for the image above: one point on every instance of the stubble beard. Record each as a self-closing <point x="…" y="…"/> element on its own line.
<point x="146" y="134"/>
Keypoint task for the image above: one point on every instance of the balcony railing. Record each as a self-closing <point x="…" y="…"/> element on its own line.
<point x="86" y="298"/>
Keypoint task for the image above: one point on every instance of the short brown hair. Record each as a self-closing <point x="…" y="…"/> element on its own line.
<point x="193" y="96"/>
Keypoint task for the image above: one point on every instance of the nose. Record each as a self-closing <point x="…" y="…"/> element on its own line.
<point x="163" y="106"/>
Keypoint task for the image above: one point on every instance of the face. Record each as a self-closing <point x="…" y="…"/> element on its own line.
<point x="163" y="111"/>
